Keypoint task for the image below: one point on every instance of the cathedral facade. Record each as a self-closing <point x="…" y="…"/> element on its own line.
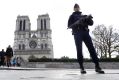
<point x="36" y="43"/>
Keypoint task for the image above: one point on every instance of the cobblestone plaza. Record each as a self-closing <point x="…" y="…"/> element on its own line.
<point x="56" y="74"/>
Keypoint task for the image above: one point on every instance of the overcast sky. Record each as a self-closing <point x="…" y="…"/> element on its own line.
<point x="104" y="12"/>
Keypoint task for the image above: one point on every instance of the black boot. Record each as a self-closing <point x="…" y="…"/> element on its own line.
<point x="82" y="69"/>
<point x="99" y="70"/>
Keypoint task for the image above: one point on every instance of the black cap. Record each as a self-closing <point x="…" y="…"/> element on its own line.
<point x="76" y="6"/>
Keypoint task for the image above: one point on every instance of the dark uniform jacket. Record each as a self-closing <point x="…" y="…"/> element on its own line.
<point x="76" y="16"/>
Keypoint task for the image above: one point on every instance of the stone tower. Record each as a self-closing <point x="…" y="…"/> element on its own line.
<point x="36" y="43"/>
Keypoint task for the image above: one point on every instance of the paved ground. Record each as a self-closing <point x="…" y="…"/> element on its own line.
<point x="55" y="74"/>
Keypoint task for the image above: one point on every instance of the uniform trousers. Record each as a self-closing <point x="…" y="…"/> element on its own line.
<point x="83" y="36"/>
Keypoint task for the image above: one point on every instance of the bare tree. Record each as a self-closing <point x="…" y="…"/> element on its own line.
<point x="105" y="40"/>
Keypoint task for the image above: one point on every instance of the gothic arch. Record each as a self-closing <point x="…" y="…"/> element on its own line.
<point x="20" y="25"/>
<point x="23" y="46"/>
<point x="41" y="24"/>
<point x="19" y="46"/>
<point x="44" y="24"/>
<point x="24" y="25"/>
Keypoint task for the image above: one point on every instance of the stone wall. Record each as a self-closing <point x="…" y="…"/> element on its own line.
<point x="88" y="65"/>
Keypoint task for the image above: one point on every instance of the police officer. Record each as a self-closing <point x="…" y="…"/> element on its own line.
<point x="79" y="24"/>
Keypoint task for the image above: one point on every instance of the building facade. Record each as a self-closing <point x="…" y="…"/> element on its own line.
<point x="36" y="43"/>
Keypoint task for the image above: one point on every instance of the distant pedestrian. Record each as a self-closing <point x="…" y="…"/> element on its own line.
<point x="19" y="61"/>
<point x="2" y="58"/>
<point x="14" y="62"/>
<point x="8" y="56"/>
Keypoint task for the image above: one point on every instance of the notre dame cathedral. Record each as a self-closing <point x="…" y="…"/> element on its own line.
<point x="36" y="43"/>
